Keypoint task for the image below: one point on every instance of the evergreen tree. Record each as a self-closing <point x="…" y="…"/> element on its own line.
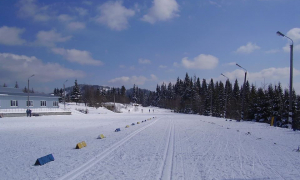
<point x="235" y="105"/>
<point x="205" y="108"/>
<point x="16" y="85"/>
<point x="221" y="98"/>
<point x="25" y="89"/>
<point x="76" y="94"/>
<point x="252" y="105"/>
<point x="134" y="94"/>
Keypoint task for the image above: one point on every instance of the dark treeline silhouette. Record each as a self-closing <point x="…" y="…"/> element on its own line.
<point x="191" y="95"/>
<point x="194" y="96"/>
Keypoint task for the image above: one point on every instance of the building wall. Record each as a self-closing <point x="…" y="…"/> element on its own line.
<point x="5" y="101"/>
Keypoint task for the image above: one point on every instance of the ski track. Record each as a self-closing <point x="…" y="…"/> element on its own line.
<point x="156" y="154"/>
<point x="86" y="166"/>
<point x="181" y="156"/>
<point x="167" y="165"/>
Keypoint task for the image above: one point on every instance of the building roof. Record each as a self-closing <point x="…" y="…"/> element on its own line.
<point x="5" y="91"/>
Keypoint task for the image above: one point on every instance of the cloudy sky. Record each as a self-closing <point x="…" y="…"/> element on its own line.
<point x="146" y="42"/>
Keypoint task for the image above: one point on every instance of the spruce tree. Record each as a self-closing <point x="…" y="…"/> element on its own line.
<point x="134" y="94"/>
<point x="16" y="85"/>
<point x="76" y="94"/>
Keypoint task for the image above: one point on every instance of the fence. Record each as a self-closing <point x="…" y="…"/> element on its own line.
<point x="34" y="110"/>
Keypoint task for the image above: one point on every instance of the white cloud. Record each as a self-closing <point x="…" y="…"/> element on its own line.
<point x="214" y="3"/>
<point x="87" y="2"/>
<point x="232" y="63"/>
<point x="77" y="56"/>
<point x="249" y="48"/>
<point x="49" y="38"/>
<point x="162" y="66"/>
<point x="287" y="48"/>
<point x="28" y="8"/>
<point x="124" y="80"/>
<point x="153" y="77"/>
<point x="65" y="18"/>
<point x="294" y="34"/>
<point x="20" y="67"/>
<point x="144" y="61"/>
<point x="81" y="11"/>
<point x="201" y="62"/>
<point x="137" y="80"/>
<point x="273" y="51"/>
<point x="269" y="75"/>
<point x="11" y="36"/>
<point x="175" y="64"/>
<point x="114" y="15"/>
<point x="162" y="10"/>
<point x="76" y="25"/>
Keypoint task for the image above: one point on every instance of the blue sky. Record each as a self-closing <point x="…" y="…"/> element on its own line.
<point x="146" y="42"/>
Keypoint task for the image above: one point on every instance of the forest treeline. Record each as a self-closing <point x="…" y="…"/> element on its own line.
<point x="194" y="96"/>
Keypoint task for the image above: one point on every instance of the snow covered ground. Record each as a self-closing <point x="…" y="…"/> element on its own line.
<point x="169" y="146"/>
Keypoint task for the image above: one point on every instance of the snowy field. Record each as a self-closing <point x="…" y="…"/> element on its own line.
<point x="169" y="146"/>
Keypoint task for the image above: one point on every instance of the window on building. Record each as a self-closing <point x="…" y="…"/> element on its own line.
<point x="13" y="103"/>
<point x="29" y="103"/>
<point x="55" y="103"/>
<point x="43" y="104"/>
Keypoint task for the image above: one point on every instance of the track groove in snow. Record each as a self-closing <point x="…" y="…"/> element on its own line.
<point x="156" y="155"/>
<point x="166" y="170"/>
<point x="86" y="166"/>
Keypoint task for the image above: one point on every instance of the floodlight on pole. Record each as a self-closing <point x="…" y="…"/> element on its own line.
<point x="65" y="95"/>
<point x="244" y="92"/>
<point x="225" y="110"/>
<point x="28" y="103"/>
<point x="291" y="78"/>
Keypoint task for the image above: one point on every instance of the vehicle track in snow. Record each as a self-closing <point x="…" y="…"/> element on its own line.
<point x="98" y="158"/>
<point x="167" y="166"/>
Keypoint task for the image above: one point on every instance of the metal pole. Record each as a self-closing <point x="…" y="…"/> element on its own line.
<point x="65" y="95"/>
<point x="244" y="92"/>
<point x="244" y="95"/>
<point x="211" y="112"/>
<point x="291" y="86"/>
<point x="28" y="92"/>
<point x="291" y="80"/>
<point x="28" y="95"/>
<point x="226" y="95"/>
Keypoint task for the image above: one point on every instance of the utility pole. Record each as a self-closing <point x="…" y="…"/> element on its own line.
<point x="244" y="92"/>
<point x="291" y="80"/>
<point x="28" y="103"/>
<point x="225" y="110"/>
<point x="65" y="95"/>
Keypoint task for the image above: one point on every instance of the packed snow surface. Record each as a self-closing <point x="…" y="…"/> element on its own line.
<point x="165" y="146"/>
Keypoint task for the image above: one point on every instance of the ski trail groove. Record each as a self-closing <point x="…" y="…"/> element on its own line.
<point x="166" y="169"/>
<point x="84" y="167"/>
<point x="155" y="154"/>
